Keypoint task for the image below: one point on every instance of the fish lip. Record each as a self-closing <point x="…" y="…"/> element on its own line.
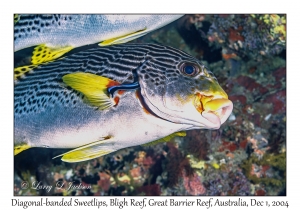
<point x="215" y="108"/>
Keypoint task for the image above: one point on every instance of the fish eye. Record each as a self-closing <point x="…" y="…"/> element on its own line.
<point x="189" y="69"/>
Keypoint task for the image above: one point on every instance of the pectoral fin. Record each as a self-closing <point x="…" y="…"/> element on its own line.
<point x="166" y="139"/>
<point x="43" y="53"/>
<point x="93" y="87"/>
<point x="87" y="152"/>
<point x="124" y="38"/>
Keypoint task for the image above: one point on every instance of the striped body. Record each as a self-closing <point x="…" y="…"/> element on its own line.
<point x="61" y="31"/>
<point x="48" y="113"/>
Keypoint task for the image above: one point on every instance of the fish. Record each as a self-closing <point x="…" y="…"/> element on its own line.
<point x="104" y="99"/>
<point x="53" y="35"/>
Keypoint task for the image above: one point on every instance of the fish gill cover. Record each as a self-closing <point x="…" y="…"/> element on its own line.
<point x="245" y="156"/>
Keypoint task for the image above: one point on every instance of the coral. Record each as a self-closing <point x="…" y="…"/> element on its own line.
<point x="278" y="161"/>
<point x="104" y="181"/>
<point x="227" y="183"/>
<point x="195" y="143"/>
<point x="242" y="36"/>
<point x="123" y="179"/>
<point x="229" y="146"/>
<point x="259" y="144"/>
<point x="177" y="164"/>
<point x="216" y="185"/>
<point x="243" y="144"/>
<point x="256" y="169"/>
<point x="280" y="74"/>
<point x="193" y="184"/>
<point x="277" y="137"/>
<point x="277" y="23"/>
<point x="149" y="190"/>
<point x="241" y="185"/>
<point x="242" y="99"/>
<point x="278" y="100"/>
<point x="195" y="163"/>
<point x="251" y="85"/>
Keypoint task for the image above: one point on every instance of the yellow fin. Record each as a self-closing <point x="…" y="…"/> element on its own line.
<point x="43" y="53"/>
<point x="166" y="139"/>
<point x="20" y="148"/>
<point x="87" y="152"/>
<point x="16" y="18"/>
<point x="124" y="38"/>
<point x="93" y="87"/>
<point x="19" y="71"/>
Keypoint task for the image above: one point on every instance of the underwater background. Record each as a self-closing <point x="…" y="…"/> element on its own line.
<point x="246" y="156"/>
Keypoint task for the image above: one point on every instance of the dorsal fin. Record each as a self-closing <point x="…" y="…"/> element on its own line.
<point x="19" y="71"/>
<point x="43" y="53"/>
<point x="125" y="38"/>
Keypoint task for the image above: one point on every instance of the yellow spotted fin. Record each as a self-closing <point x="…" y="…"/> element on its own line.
<point x="87" y="152"/>
<point x="20" y="148"/>
<point x="16" y="18"/>
<point x="93" y="87"/>
<point x="124" y="38"/>
<point x="19" y="71"/>
<point x="166" y="139"/>
<point x="43" y="53"/>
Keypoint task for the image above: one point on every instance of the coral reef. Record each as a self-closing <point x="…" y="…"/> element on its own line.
<point x="195" y="143"/>
<point x="268" y="171"/>
<point x="193" y="185"/>
<point x="177" y="165"/>
<point x="149" y="190"/>
<point x="247" y="35"/>
<point x="226" y="183"/>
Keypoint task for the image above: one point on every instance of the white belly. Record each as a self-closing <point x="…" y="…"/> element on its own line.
<point x="126" y="125"/>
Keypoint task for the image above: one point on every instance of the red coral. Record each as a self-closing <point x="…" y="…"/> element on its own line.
<point x="195" y="143"/>
<point x="239" y="98"/>
<point x="228" y="56"/>
<point x="256" y="118"/>
<point x="150" y="190"/>
<point x="147" y="162"/>
<point x="193" y="185"/>
<point x="227" y="145"/>
<point x="277" y="85"/>
<point x="177" y="165"/>
<point x="250" y="84"/>
<point x="235" y="34"/>
<point x="278" y="100"/>
<point x="104" y="181"/>
<point x="244" y="143"/>
<point x="142" y="160"/>
<point x="260" y="192"/>
<point x="279" y="73"/>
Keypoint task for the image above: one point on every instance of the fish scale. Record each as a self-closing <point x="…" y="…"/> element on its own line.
<point x="66" y="103"/>
<point x="103" y="59"/>
<point x="52" y="72"/>
<point x="79" y="30"/>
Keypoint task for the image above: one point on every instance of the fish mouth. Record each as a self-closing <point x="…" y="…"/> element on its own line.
<point x="215" y="108"/>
